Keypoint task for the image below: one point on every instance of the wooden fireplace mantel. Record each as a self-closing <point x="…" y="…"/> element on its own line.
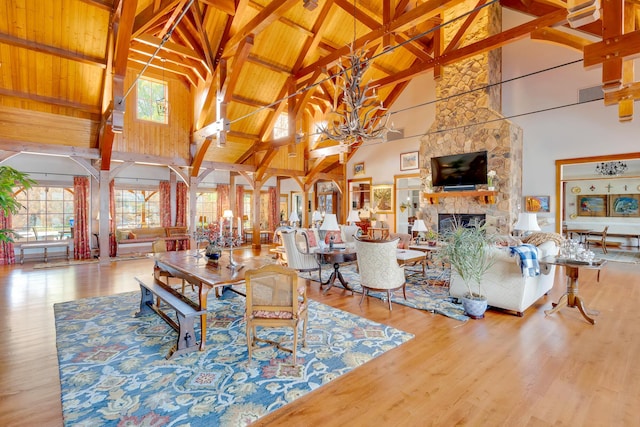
<point x="484" y="196"/>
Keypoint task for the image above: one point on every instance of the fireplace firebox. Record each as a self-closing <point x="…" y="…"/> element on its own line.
<point x="447" y="221"/>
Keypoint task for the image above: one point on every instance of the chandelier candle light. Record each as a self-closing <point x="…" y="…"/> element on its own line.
<point x="220" y="239"/>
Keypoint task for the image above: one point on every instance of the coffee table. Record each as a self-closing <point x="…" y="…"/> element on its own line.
<point x="571" y="297"/>
<point x="412" y="257"/>
<point x="337" y="257"/>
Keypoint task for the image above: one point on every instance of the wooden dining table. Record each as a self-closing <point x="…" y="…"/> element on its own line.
<point x="204" y="275"/>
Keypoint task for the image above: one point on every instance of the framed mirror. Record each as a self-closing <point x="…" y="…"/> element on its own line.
<point x="359" y="194"/>
<point x="407" y="201"/>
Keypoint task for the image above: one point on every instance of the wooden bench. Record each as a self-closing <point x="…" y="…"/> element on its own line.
<point x="44" y="244"/>
<point x="186" y="311"/>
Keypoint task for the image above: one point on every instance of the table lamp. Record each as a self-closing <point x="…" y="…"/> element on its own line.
<point x="527" y="223"/>
<point x="418" y="226"/>
<point x="293" y="218"/>
<point x="330" y="225"/>
<point x="316" y="218"/>
<point x="353" y="217"/>
<point x="382" y="218"/>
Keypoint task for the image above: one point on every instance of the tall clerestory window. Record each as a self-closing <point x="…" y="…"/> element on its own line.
<point x="152" y="101"/>
<point x="281" y="128"/>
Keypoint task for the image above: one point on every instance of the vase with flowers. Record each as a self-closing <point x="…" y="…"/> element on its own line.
<point x="491" y="178"/>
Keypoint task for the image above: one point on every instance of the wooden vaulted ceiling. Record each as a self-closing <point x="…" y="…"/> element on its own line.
<point x="247" y="61"/>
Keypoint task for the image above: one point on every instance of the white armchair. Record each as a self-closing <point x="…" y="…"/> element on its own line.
<point x="299" y="255"/>
<point x="378" y="267"/>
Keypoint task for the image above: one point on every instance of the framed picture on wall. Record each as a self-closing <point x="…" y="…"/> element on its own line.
<point x="409" y="161"/>
<point x="537" y="204"/>
<point x="624" y="205"/>
<point x="383" y="198"/>
<point x="592" y="205"/>
<point x="358" y="169"/>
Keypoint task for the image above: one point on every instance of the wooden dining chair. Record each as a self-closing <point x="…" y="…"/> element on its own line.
<point x="275" y="299"/>
<point x="599" y="239"/>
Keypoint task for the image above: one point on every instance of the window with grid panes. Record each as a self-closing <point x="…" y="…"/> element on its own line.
<point x="137" y="208"/>
<point x="207" y="207"/>
<point x="149" y="93"/>
<point x="46" y="214"/>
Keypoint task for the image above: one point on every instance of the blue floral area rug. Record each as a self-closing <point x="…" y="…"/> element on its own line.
<point x="113" y="369"/>
<point x="430" y="293"/>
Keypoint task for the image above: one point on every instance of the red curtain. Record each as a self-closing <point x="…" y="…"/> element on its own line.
<point x="274" y="219"/>
<point x="81" y="241"/>
<point x="181" y="204"/>
<point x="7" y="254"/>
<point x="181" y="216"/>
<point x="165" y="210"/>
<point x="113" y="245"/>
<point x="165" y="204"/>
<point x="240" y="202"/>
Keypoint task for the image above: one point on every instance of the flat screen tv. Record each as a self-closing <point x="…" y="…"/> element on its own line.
<point x="459" y="170"/>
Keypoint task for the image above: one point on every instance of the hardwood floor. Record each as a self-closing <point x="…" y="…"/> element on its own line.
<point x="502" y="370"/>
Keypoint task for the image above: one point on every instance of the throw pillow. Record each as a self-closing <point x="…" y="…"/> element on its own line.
<point x="131" y="235"/>
<point x="337" y="239"/>
<point x="311" y="237"/>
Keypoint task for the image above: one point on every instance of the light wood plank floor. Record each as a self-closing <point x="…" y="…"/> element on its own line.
<point x="502" y="370"/>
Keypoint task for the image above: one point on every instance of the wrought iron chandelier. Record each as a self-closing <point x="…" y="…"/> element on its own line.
<point x="360" y="116"/>
<point x="611" y="168"/>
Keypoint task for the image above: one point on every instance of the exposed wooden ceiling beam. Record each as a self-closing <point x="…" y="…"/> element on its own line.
<point x="169" y="46"/>
<point x="151" y="15"/>
<point x="52" y="50"/>
<point x="176" y="60"/>
<point x="102" y="4"/>
<point x="419" y="14"/>
<point x="560" y="37"/>
<point x="226" y="6"/>
<point x="86" y="108"/>
<point x="492" y="42"/>
<point x="254" y="59"/>
<point x="168" y="67"/>
<point x="263" y="19"/>
<point x="202" y="33"/>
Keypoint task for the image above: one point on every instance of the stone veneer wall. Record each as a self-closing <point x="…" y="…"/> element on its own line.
<point x="468" y="120"/>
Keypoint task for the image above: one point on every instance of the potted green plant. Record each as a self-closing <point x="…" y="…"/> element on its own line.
<point x="10" y="178"/>
<point x="468" y="250"/>
<point x="431" y="237"/>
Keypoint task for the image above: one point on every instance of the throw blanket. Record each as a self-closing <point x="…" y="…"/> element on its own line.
<point x="528" y="259"/>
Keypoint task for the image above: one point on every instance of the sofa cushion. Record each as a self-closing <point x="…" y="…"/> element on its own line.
<point x="336" y="240"/>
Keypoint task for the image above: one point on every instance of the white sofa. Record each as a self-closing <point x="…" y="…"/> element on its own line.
<point x="504" y="285"/>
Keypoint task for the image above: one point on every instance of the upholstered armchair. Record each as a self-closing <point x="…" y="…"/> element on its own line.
<point x="275" y="298"/>
<point x="298" y="252"/>
<point x="404" y="239"/>
<point x="378" y="267"/>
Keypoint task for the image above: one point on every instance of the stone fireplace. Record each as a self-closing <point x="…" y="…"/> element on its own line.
<point x="468" y="119"/>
